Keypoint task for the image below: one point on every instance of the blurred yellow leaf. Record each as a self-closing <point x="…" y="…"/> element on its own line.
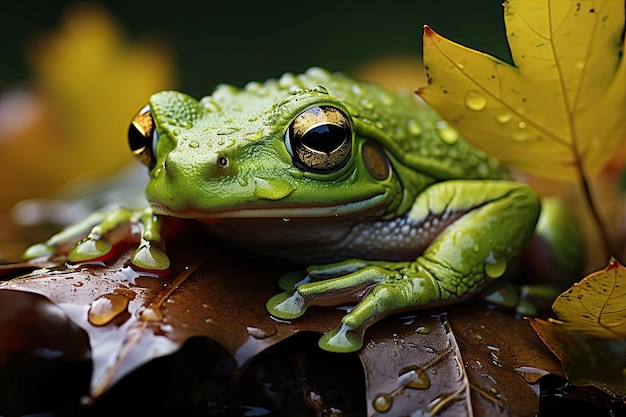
<point x="71" y="121"/>
<point x="564" y="99"/>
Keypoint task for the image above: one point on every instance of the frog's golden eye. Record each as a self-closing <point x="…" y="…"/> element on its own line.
<point x="320" y="139"/>
<point x="142" y="137"/>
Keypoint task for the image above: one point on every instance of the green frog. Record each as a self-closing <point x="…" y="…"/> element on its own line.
<point x="385" y="203"/>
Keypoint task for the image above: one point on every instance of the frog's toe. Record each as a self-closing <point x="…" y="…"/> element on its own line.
<point x="38" y="250"/>
<point x="150" y="257"/>
<point x="89" y="249"/>
<point x="342" y="339"/>
<point x="329" y="292"/>
<point x="287" y="305"/>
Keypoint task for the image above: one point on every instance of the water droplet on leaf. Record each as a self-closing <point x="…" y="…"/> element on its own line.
<point x="414" y="377"/>
<point x="503" y="118"/>
<point x="382" y="403"/>
<point x="423" y="330"/>
<point x="475" y="101"/>
<point x="106" y="308"/>
<point x="530" y="374"/>
<point x="151" y="314"/>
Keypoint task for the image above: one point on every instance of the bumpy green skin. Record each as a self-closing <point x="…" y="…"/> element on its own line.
<point x="442" y="224"/>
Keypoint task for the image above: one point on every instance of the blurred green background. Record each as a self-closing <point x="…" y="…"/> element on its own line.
<point x="234" y="41"/>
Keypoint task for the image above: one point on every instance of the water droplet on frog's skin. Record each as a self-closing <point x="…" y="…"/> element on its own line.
<point x="385" y="99"/>
<point x="504" y="118"/>
<point x="475" y="101"/>
<point x="521" y="125"/>
<point x="414" y="377"/>
<point x="446" y="133"/>
<point x="423" y="330"/>
<point x="414" y="127"/>
<point x="287" y="80"/>
<point x="254" y="136"/>
<point x="272" y="189"/>
<point x="382" y="403"/>
<point x="368" y="105"/>
<point x="194" y="144"/>
<point x="106" y="308"/>
<point x="495" y="269"/>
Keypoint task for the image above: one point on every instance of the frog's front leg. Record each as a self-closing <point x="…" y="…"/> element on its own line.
<point x="495" y="221"/>
<point x="102" y="231"/>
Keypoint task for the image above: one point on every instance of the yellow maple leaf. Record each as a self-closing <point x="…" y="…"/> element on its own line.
<point x="560" y="109"/>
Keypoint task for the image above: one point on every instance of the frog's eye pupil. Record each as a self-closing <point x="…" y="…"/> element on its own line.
<point x="324" y="138"/>
<point x="320" y="139"/>
<point x="142" y="137"/>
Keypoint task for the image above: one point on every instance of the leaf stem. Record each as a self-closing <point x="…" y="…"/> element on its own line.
<point x="611" y="246"/>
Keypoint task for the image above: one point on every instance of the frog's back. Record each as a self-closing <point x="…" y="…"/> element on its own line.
<point x="401" y="122"/>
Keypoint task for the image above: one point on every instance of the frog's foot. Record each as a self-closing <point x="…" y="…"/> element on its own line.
<point x="95" y="237"/>
<point x="380" y="288"/>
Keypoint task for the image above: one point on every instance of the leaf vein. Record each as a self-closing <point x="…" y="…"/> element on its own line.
<point x="498" y="98"/>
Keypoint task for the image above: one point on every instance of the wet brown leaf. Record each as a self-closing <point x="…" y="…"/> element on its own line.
<point x="132" y="317"/>
<point x="469" y="359"/>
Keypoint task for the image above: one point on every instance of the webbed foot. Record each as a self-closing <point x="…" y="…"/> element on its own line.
<point x="95" y="238"/>
<point x="379" y="288"/>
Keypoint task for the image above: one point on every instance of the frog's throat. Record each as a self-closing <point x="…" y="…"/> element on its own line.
<point x="276" y="211"/>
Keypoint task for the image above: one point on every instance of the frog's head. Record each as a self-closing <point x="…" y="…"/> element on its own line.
<point x="257" y="154"/>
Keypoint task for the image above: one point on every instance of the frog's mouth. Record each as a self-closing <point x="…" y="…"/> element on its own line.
<point x="275" y="212"/>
